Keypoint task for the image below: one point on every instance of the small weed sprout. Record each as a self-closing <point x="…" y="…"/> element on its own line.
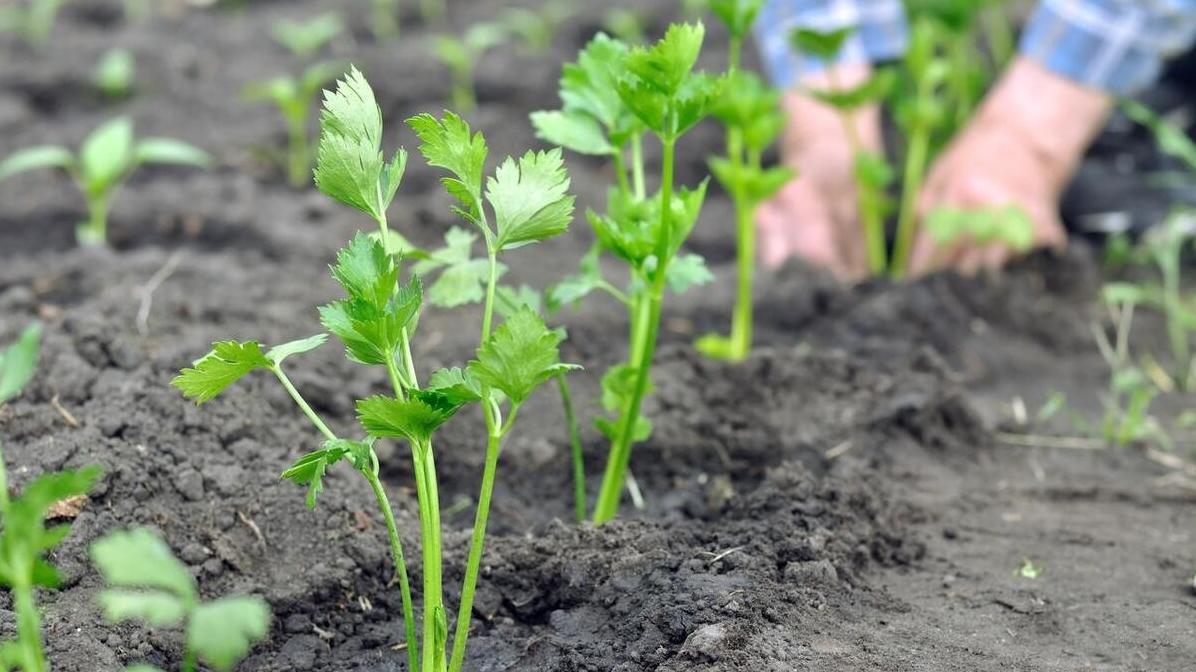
<point x="105" y="160"/>
<point x="750" y="111"/>
<point x="612" y="97"/>
<point x="1027" y="570"/>
<point x="115" y="74"/>
<point x="305" y="39"/>
<point x="147" y="583"/>
<point x="527" y="203"/>
<point x="33" y="20"/>
<point x="294" y="98"/>
<point x="25" y="539"/>
<point x="1130" y="392"/>
<point x="461" y="55"/>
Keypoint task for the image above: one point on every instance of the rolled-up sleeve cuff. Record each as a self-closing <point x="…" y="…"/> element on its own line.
<point x="1115" y="45"/>
<point x="881" y="33"/>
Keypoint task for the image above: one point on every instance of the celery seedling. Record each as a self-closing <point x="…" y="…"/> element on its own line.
<point x="379" y="315"/>
<point x="294" y="97"/>
<point x="384" y="19"/>
<point x="612" y="97"/>
<point x="461" y="54"/>
<point x="25" y="539"/>
<point x="33" y="19"/>
<point x="114" y="74"/>
<point x="536" y="28"/>
<point x="147" y="583"/>
<point x="305" y="39"/>
<point x="1009" y="226"/>
<point x="106" y="158"/>
<point x="872" y="172"/>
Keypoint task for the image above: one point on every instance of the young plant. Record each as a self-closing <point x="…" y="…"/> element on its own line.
<point x="106" y="159"/>
<point x="378" y="318"/>
<point x="294" y="96"/>
<point x="625" y="24"/>
<point x="1130" y="392"/>
<point x="147" y="583"/>
<point x="536" y="28"/>
<point x="432" y="11"/>
<point x="25" y="539"/>
<point x="115" y="74"/>
<point x="32" y="19"/>
<point x="384" y="19"/>
<point x="750" y="111"/>
<point x="872" y="173"/>
<point x="1164" y="246"/>
<point x="305" y="39"/>
<point x="613" y="96"/>
<point x="1010" y="226"/>
<point x="461" y="55"/>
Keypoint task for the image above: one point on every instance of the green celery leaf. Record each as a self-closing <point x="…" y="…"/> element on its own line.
<point x="154" y="607"/>
<point x="460" y="284"/>
<point x="415" y="419"/>
<point x="365" y="271"/>
<point x="25" y="538"/>
<point x="139" y="558"/>
<point x="576" y="287"/>
<point x="170" y="151"/>
<point x="687" y="270"/>
<point x="519" y="356"/>
<point x="371" y="334"/>
<point x="32" y="158"/>
<point x="305" y="38"/>
<point x="664" y="66"/>
<point x="223" y="631"/>
<point x="107" y="155"/>
<point x="574" y="131"/>
<point x="737" y="15"/>
<point x="18" y="362"/>
<point x="309" y="470"/>
<point x="224" y="365"/>
<point x="509" y="300"/>
<point x="823" y="45"/>
<point x="449" y="144"/>
<point x="530" y="199"/>
<point x="588" y="86"/>
<point x="280" y="352"/>
<point x="875" y="89"/>
<point x="458" y="386"/>
<point x="617" y="388"/>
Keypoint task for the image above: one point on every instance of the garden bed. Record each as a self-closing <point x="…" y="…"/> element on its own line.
<point x="849" y="498"/>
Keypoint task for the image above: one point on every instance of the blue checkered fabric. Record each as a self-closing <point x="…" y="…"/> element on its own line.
<point x="1115" y="45"/>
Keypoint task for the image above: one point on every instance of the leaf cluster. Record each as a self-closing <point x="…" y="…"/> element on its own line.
<point x="305" y="38"/>
<point x="1008" y="225"/>
<point x="147" y="583"/>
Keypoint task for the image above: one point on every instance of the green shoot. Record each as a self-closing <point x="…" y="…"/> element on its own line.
<point x="536" y="28"/>
<point x="24" y="539"/>
<point x="612" y="97"/>
<point x="379" y="315"/>
<point x="105" y="160"/>
<point x="432" y="11"/>
<point x="115" y="74"/>
<point x="625" y="24"/>
<point x="1027" y="570"/>
<point x="294" y="97"/>
<point x="461" y="55"/>
<point x="1130" y="392"/>
<point x="147" y="583"/>
<point x="1170" y="139"/>
<point x="32" y="19"/>
<point x="750" y="111"/>
<point x="1009" y="225"/>
<point x="305" y="39"/>
<point x="384" y="19"/>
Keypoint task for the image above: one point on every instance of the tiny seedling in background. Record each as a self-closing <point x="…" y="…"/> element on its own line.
<point x="1028" y="570"/>
<point x="625" y="24"/>
<point x="25" y="539"/>
<point x="1009" y="226"/>
<point x="872" y="173"/>
<point x="751" y="113"/>
<point x="1130" y="392"/>
<point x="385" y="23"/>
<point x="612" y="97"/>
<point x="461" y="55"/>
<point x="106" y="159"/>
<point x="33" y="20"/>
<point x="537" y="28"/>
<point x="115" y="74"/>
<point x="147" y="583"/>
<point x="305" y="39"/>
<point x="295" y="97"/>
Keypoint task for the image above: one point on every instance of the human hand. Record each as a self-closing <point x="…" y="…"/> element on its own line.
<point x="816" y="215"/>
<point x="1020" y="150"/>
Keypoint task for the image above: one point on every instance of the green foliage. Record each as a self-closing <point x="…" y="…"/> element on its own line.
<point x="32" y="19"/>
<point x="306" y="38"/>
<point x="461" y="55"/>
<point x="737" y="15"/>
<point x="384" y="19"/>
<point x="536" y="28"/>
<point x="105" y="160"/>
<point x="1171" y="139"/>
<point x="18" y="362"/>
<point x="350" y="167"/>
<point x="823" y="45"/>
<point x="1009" y="225"/>
<point x="228" y="362"/>
<point x="147" y="583"/>
<point x="520" y="356"/>
<point x="115" y="74"/>
<point x="625" y="24"/>
<point x="294" y="96"/>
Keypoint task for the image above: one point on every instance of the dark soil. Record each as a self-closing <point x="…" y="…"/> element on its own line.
<point x="847" y="499"/>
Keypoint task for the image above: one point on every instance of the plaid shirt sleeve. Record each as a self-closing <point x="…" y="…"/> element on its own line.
<point x="881" y="33"/>
<point x="1115" y="45"/>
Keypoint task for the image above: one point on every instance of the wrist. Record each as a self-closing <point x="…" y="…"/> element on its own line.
<point x="1054" y="117"/>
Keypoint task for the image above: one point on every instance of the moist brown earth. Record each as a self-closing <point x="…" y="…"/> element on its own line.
<point x="850" y="498"/>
